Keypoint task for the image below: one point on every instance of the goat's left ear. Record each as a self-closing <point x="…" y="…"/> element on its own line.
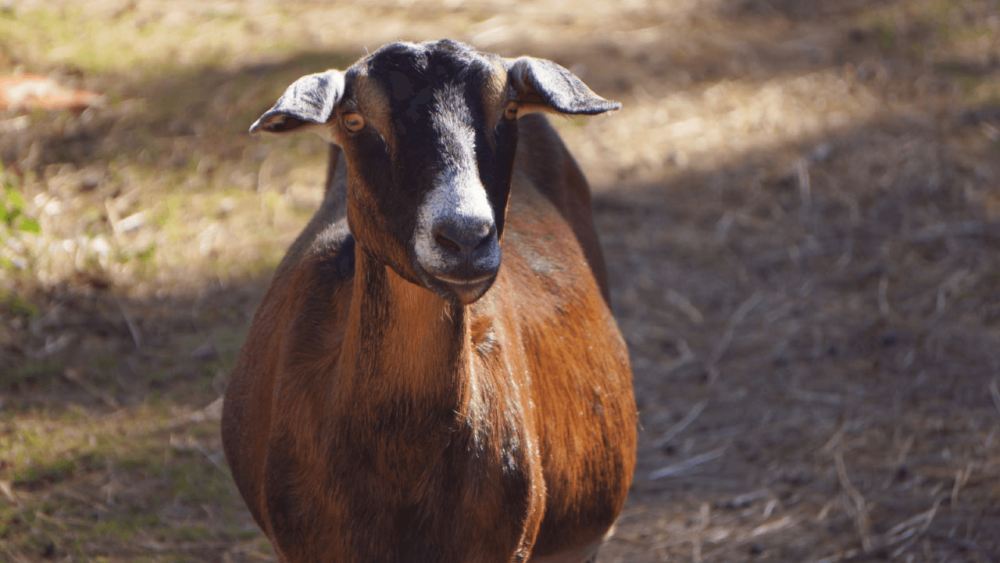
<point x="308" y="101"/>
<point x="544" y="85"/>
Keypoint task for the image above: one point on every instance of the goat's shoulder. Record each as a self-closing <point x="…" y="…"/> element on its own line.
<point x="546" y="165"/>
<point x="318" y="264"/>
<point x="310" y="288"/>
<point x="317" y="292"/>
<point x="291" y="333"/>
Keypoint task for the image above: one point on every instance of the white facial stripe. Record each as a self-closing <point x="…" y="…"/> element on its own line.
<point x="458" y="198"/>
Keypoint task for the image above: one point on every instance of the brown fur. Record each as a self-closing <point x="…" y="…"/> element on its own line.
<point x="373" y="102"/>
<point x="369" y="420"/>
<point x="495" y="98"/>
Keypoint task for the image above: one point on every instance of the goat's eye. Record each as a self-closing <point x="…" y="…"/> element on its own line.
<point x="353" y="121"/>
<point x="510" y="112"/>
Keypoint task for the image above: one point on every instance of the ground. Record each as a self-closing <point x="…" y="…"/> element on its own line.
<point x="799" y="203"/>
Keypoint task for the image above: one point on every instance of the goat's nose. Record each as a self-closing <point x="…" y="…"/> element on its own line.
<point x="464" y="239"/>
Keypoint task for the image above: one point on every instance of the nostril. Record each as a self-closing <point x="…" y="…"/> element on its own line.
<point x="447" y="242"/>
<point x="462" y="238"/>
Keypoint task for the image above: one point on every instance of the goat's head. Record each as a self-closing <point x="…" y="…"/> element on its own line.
<point x="430" y="132"/>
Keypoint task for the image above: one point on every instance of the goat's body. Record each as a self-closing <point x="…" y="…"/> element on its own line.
<point x="402" y="428"/>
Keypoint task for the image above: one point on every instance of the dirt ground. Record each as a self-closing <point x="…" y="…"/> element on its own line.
<point x="799" y="204"/>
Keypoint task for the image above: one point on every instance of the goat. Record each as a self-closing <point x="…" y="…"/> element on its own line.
<point x="401" y="395"/>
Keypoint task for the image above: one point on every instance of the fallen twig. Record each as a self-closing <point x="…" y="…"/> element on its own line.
<point x="904" y="451"/>
<point x="995" y="393"/>
<point x="883" y="298"/>
<point x="75" y="376"/>
<point x="863" y="520"/>
<point x="211" y="412"/>
<point x="911" y="523"/>
<point x="684" y="305"/>
<point x="722" y="346"/>
<point x="15" y="557"/>
<point x="834" y="439"/>
<point x="9" y="493"/>
<point x="678" y="468"/>
<point x="681" y="425"/>
<point x="771" y="527"/>
<point x="745" y="499"/>
<point x="945" y="230"/>
<point x="191" y="444"/>
<point x="132" y="328"/>
<point x="93" y="503"/>
<point x="961" y="478"/>
<point x="727" y="337"/>
<point x="687" y="356"/>
<point x="983" y="554"/>
<point x="805" y="185"/>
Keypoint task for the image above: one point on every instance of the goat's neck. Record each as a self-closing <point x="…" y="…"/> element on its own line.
<point x="403" y="340"/>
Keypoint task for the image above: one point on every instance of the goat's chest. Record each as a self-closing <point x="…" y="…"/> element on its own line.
<point x="417" y="482"/>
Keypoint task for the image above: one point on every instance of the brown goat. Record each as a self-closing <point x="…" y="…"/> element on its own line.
<point x="402" y="397"/>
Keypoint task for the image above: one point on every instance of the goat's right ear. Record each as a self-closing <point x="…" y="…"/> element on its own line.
<point x="308" y="101"/>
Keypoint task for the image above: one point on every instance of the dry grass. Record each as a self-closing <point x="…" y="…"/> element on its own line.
<point x="799" y="206"/>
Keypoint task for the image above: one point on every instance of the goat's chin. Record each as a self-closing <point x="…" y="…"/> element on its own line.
<point x="469" y="294"/>
<point x="461" y="286"/>
<point x="461" y="292"/>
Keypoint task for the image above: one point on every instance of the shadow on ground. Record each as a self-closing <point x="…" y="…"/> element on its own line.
<point x="814" y="350"/>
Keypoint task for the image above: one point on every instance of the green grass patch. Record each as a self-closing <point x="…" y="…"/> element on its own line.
<point x="97" y="43"/>
<point x="980" y="91"/>
<point x="122" y="528"/>
<point x="39" y="474"/>
<point x="106" y="363"/>
<point x="942" y="27"/>
<point x="193" y="480"/>
<point x="14" y="305"/>
<point x="885" y="35"/>
<point x="193" y="534"/>
<point x="31" y="375"/>
<point x="159" y="485"/>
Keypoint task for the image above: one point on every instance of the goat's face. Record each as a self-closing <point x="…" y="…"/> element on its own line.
<point x="430" y="133"/>
<point x="430" y="163"/>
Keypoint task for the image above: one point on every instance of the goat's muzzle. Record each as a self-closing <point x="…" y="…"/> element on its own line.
<point x="467" y="254"/>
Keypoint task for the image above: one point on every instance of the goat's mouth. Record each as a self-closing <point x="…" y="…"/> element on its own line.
<point x="473" y="283"/>
<point x="456" y="274"/>
<point x="462" y="290"/>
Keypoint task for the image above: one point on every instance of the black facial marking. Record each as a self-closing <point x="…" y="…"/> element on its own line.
<point x="435" y="93"/>
<point x="417" y="102"/>
<point x="401" y="87"/>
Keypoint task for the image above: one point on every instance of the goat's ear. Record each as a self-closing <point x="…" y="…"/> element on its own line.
<point x="308" y="101"/>
<point x="544" y="85"/>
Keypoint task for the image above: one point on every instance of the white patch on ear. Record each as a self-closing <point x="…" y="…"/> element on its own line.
<point x="309" y="101"/>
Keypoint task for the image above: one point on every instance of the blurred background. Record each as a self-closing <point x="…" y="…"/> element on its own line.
<point x="799" y="203"/>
